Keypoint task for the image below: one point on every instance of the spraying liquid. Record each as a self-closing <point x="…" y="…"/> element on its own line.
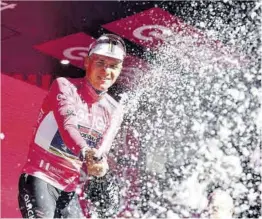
<point x="196" y="110"/>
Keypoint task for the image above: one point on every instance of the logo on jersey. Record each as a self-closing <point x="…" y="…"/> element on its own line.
<point x="95" y="122"/>
<point x="91" y="136"/>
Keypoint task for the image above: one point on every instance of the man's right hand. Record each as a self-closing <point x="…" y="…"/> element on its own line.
<point x="96" y="166"/>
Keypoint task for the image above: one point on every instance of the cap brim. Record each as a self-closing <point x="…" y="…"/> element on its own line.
<point x="105" y="49"/>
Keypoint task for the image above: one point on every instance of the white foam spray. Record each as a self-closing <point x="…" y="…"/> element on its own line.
<point x="195" y="110"/>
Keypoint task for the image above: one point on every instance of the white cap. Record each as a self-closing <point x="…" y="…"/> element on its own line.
<point x="109" y="45"/>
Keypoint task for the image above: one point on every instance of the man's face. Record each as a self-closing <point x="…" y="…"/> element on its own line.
<point x="102" y="71"/>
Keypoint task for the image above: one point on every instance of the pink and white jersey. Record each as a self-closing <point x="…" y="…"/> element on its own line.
<point x="73" y="116"/>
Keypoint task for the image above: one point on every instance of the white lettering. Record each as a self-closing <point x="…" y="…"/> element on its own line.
<point x="29" y="206"/>
<point x="47" y="166"/>
<point x="42" y="163"/>
<point x="53" y="169"/>
<point x="26" y="197"/>
<point x="81" y="52"/>
<point x="31" y="214"/>
<point x="97" y="122"/>
<point x="81" y="115"/>
<point x="61" y="97"/>
<point x="158" y="31"/>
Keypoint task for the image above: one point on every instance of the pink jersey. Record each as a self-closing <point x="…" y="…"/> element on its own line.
<point x="73" y="116"/>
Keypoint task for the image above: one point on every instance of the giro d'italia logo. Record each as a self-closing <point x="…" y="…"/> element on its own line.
<point x="73" y="48"/>
<point x="146" y="28"/>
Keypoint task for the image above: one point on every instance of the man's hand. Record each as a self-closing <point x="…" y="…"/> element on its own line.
<point x="96" y="166"/>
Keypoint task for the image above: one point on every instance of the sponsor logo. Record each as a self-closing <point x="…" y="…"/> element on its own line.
<point x="61" y="97"/>
<point x="148" y="28"/>
<point x="154" y="31"/>
<point x="155" y="26"/>
<point x="44" y="165"/>
<point x="56" y="170"/>
<point x="48" y="167"/>
<point x="94" y="133"/>
<point x="76" y="53"/>
<point x="91" y="136"/>
<point x="73" y="47"/>
<point x="29" y="206"/>
<point x="95" y="122"/>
